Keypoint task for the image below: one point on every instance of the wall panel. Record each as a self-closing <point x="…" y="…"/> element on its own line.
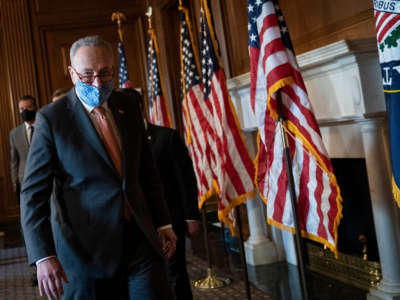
<point x="311" y="23"/>
<point x="58" y="43"/>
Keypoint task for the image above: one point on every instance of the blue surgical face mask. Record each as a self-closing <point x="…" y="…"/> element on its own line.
<point x="92" y="95"/>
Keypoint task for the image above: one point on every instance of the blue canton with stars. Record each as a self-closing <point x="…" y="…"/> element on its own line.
<point x="123" y="72"/>
<point x="154" y="87"/>
<point x="191" y="75"/>
<point x="255" y="11"/>
<point x="209" y="60"/>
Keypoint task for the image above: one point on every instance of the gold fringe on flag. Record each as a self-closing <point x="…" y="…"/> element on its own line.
<point x="293" y="130"/>
<point x="396" y="191"/>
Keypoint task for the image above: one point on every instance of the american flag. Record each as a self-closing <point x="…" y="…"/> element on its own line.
<point x="274" y="69"/>
<point x="158" y="107"/>
<point x="387" y="22"/>
<point x="196" y="114"/>
<point x="123" y="70"/>
<point x="230" y="161"/>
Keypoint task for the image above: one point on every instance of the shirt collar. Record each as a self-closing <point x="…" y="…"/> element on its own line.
<point x="27" y="125"/>
<point x="87" y="107"/>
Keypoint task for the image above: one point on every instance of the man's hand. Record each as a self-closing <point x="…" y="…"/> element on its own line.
<point x="50" y="274"/>
<point x="193" y="228"/>
<point x="168" y="241"/>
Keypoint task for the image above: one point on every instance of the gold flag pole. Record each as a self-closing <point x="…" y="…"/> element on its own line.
<point x="119" y="17"/>
<point x="211" y="281"/>
<point x="149" y="13"/>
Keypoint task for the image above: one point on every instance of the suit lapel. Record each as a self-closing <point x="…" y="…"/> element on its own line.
<point x="86" y="127"/>
<point x="24" y="137"/>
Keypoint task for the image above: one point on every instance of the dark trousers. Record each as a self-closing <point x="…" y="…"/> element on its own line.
<point x="142" y="276"/>
<point x="177" y="272"/>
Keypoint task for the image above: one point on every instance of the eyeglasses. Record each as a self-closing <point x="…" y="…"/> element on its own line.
<point x="89" y="77"/>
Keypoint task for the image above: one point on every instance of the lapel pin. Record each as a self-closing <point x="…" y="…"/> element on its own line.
<point x="121" y="111"/>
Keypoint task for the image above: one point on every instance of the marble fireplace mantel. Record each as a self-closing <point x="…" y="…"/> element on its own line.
<point x="344" y="84"/>
<point x="351" y="65"/>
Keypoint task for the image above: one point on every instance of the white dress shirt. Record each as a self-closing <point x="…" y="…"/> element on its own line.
<point x="28" y="129"/>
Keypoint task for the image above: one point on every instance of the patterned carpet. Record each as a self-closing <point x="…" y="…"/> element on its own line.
<point x="15" y="276"/>
<point x="236" y="290"/>
<point x="15" y="279"/>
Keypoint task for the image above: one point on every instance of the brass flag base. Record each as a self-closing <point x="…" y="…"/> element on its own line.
<point x="211" y="281"/>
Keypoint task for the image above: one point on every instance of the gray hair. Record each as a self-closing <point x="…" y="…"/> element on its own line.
<point x="89" y="41"/>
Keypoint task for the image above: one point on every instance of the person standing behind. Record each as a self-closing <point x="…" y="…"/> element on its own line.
<point x="177" y="175"/>
<point x="179" y="181"/>
<point x="58" y="94"/>
<point x="100" y="240"/>
<point x="20" y="139"/>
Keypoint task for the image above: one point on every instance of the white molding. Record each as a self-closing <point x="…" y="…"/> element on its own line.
<point x="334" y="51"/>
<point x="343" y="81"/>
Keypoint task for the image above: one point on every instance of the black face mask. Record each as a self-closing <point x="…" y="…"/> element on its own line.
<point x="28" y="115"/>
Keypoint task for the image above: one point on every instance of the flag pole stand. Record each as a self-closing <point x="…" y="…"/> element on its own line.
<point x="299" y="245"/>
<point x="242" y="252"/>
<point x="211" y="281"/>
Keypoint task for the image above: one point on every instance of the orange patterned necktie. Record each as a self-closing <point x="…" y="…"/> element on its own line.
<point x="109" y="139"/>
<point x="111" y="144"/>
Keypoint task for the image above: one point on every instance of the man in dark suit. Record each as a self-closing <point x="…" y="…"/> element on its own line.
<point x="20" y="139"/>
<point x="179" y="181"/>
<point x="99" y="234"/>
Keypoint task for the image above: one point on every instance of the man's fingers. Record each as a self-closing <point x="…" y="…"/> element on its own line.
<point x="40" y="283"/>
<point x="64" y="276"/>
<point x="170" y="252"/>
<point x="47" y="290"/>
<point x="163" y="239"/>
<point x="59" y="287"/>
<point x="52" y="287"/>
<point x="166" y="245"/>
<point x="173" y="243"/>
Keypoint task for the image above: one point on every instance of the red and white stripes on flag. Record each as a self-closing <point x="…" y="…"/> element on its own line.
<point x="274" y="70"/>
<point x="231" y="164"/>
<point x="384" y="22"/>
<point x="158" y="106"/>
<point x="196" y="114"/>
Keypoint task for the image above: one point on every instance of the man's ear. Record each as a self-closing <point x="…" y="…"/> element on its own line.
<point x="72" y="75"/>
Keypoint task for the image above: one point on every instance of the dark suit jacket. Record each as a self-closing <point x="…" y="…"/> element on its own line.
<point x="19" y="152"/>
<point x="176" y="172"/>
<point x="87" y="223"/>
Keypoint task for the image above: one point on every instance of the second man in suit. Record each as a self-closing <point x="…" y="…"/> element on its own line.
<point x="20" y="139"/>
<point x="179" y="181"/>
